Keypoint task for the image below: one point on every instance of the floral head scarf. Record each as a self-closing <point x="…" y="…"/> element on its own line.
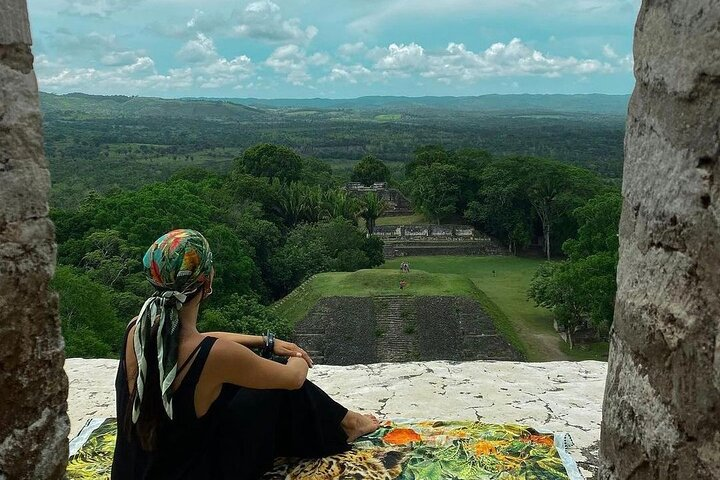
<point x="177" y="264"/>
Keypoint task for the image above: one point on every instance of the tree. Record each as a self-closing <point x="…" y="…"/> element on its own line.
<point x="370" y="170"/>
<point x="244" y="189"/>
<point x="90" y="322"/>
<point x="372" y="206"/>
<point x="543" y="193"/>
<point x="235" y="270"/>
<point x="317" y="172"/>
<point x="435" y="190"/>
<point x="297" y="202"/>
<point x="598" y="231"/>
<point x="244" y="314"/>
<point x="426" y="156"/>
<point x="555" y="191"/>
<point x="501" y="207"/>
<point x="581" y="290"/>
<point x="271" y="161"/>
<point x="334" y="245"/>
<point x="471" y="162"/>
<point x="339" y="204"/>
<point x="519" y="196"/>
<point x="110" y="258"/>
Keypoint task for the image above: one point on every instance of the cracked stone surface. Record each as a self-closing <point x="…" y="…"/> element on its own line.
<point x="557" y="396"/>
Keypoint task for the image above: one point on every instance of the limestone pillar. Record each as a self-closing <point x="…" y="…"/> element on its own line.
<point x="33" y="386"/>
<point x="661" y="417"/>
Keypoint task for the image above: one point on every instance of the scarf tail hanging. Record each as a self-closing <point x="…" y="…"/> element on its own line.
<point x="157" y="311"/>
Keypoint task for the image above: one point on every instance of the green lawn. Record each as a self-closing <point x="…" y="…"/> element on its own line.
<point x="507" y="288"/>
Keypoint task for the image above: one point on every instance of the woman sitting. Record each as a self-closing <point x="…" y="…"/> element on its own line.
<point x="194" y="405"/>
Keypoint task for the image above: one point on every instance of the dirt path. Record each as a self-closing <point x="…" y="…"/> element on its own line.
<point x="547" y="343"/>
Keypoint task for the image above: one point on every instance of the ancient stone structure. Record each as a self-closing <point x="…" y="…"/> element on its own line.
<point x="33" y="420"/>
<point x="661" y="417"/>
<point x="422" y="232"/>
<point x="398" y="204"/>
<point x="406" y="240"/>
<point x="400" y="328"/>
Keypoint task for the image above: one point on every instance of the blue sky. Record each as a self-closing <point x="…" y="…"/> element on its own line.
<point x="333" y="48"/>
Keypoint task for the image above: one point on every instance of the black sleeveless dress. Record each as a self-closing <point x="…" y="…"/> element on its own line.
<point x="238" y="438"/>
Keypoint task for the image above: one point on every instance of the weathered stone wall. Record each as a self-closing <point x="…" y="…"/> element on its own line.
<point x="661" y="417"/>
<point x="428" y="232"/>
<point x="33" y="422"/>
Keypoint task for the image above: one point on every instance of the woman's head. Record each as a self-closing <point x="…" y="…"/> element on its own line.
<point x="179" y="261"/>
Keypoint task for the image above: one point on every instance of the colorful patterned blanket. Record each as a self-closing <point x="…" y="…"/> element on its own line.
<point x="406" y="450"/>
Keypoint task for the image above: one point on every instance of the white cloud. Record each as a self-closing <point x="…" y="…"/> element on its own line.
<point x="199" y="50"/>
<point x="223" y="72"/>
<point x="82" y="44"/>
<point x="263" y="20"/>
<point x="141" y="74"/>
<point x="350" y="74"/>
<point x="260" y="20"/>
<point x="512" y="59"/>
<point x="97" y="8"/>
<point x="348" y="50"/>
<point x="458" y="63"/>
<point x="293" y="62"/>
<point x="199" y="22"/>
<point x="209" y="69"/>
<point x="627" y="62"/>
<point x="114" y="59"/>
<point x="406" y="58"/>
<point x="120" y="75"/>
<point x="623" y="62"/>
<point x="609" y="52"/>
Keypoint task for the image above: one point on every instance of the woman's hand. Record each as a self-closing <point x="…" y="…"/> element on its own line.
<point x="287" y="349"/>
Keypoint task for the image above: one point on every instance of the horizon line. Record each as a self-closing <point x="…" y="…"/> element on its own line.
<point x="346" y="98"/>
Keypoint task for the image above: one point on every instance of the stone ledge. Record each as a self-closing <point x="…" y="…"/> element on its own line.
<point x="559" y="396"/>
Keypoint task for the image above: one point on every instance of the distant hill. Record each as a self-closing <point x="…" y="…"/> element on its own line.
<point x="80" y="105"/>
<point x="594" y="103"/>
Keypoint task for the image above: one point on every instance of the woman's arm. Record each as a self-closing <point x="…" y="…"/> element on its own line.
<point x="250" y="341"/>
<point x="236" y="364"/>
<point x="282" y="348"/>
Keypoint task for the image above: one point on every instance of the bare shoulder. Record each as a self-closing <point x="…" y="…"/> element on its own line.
<point x="224" y="350"/>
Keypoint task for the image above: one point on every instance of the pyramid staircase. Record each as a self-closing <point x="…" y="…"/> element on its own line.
<point x="395" y="324"/>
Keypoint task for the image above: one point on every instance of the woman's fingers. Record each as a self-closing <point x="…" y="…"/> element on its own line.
<point x="288" y="349"/>
<point x="302" y="353"/>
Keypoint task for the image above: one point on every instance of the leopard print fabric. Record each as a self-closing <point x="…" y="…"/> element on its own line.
<point x="367" y="464"/>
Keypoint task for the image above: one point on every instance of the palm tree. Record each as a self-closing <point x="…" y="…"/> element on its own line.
<point x="339" y="204"/>
<point x="292" y="202"/>
<point x="372" y="207"/>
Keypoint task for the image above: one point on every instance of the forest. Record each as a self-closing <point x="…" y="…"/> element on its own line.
<point x="97" y="143"/>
